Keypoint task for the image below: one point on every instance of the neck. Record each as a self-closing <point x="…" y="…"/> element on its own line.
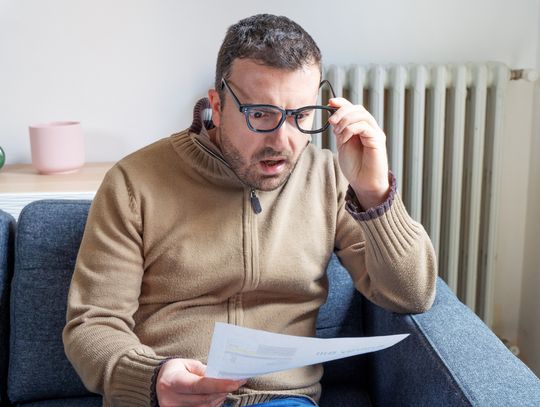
<point x="213" y="136"/>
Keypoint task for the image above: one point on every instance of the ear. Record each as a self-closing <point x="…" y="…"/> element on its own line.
<point x="215" y="103"/>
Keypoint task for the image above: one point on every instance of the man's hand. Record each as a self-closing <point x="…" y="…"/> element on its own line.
<point x="181" y="382"/>
<point x="362" y="156"/>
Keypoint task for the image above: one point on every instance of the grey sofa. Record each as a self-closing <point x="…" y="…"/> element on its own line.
<point x="7" y="241"/>
<point x="450" y="359"/>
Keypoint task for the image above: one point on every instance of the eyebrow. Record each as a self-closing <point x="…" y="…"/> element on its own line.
<point x="246" y="100"/>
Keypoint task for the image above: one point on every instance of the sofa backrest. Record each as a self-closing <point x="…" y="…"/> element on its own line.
<point x="48" y="238"/>
<point x="341" y="316"/>
<point x="7" y="239"/>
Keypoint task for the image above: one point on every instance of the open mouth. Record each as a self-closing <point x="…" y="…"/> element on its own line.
<point x="272" y="163"/>
<point x="272" y="167"/>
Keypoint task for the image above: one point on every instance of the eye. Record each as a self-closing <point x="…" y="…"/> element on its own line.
<point x="304" y="115"/>
<point x="263" y="114"/>
<point x="258" y="114"/>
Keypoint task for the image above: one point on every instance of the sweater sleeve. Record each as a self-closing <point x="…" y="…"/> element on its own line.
<point x="389" y="255"/>
<point x="103" y="297"/>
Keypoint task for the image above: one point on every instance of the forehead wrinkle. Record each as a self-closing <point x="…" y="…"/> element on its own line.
<point x="293" y="98"/>
<point x="256" y="84"/>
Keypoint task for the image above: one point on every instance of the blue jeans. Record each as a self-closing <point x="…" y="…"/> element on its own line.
<point x="287" y="402"/>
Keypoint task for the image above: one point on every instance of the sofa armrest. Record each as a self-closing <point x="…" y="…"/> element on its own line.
<point x="7" y="243"/>
<point x="451" y="358"/>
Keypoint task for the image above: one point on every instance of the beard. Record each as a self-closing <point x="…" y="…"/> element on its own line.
<point x="249" y="172"/>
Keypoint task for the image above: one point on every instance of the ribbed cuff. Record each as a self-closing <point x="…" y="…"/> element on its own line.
<point x="133" y="374"/>
<point x="153" y="392"/>
<point x="400" y="247"/>
<point x="357" y="212"/>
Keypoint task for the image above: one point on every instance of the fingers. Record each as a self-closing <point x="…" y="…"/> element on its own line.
<point x="369" y="137"/>
<point x="198" y="384"/>
<point x="350" y="120"/>
<point x="181" y="383"/>
<point x="361" y="145"/>
<point x="206" y="385"/>
<point x="348" y="113"/>
<point x="195" y="366"/>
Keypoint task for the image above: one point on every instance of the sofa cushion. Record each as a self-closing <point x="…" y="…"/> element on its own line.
<point x="95" y="401"/>
<point x="341" y="316"/>
<point x="344" y="395"/>
<point x="48" y="238"/>
<point x="7" y="237"/>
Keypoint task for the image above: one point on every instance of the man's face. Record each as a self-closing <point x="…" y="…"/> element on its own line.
<point x="263" y="160"/>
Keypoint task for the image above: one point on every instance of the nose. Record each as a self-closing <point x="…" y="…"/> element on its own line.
<point x="280" y="139"/>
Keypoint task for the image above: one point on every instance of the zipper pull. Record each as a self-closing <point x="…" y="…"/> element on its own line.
<point x="255" y="203"/>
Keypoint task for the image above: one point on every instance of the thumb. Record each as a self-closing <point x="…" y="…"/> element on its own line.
<point x="196" y="367"/>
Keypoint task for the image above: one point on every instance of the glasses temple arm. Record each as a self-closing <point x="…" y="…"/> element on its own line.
<point x="325" y="81"/>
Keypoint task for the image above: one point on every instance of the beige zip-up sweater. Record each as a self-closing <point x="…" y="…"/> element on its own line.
<point x="173" y="245"/>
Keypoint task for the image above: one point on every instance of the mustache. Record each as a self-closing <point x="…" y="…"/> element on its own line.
<point x="269" y="153"/>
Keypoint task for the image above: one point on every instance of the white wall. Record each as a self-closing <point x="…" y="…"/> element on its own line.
<point x="130" y="71"/>
<point x="529" y="327"/>
<point x="512" y="210"/>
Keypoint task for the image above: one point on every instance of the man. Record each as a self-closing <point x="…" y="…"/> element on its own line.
<point x="234" y="220"/>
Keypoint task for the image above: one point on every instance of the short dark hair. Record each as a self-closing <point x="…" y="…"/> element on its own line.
<point x="274" y="41"/>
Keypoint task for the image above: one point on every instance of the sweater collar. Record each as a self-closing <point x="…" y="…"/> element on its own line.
<point x="195" y="147"/>
<point x="201" y="124"/>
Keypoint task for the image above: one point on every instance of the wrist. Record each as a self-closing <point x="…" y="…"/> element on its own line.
<point x="376" y="194"/>
<point x="356" y="210"/>
<point x="154" y="402"/>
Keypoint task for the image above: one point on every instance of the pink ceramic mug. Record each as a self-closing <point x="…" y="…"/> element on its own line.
<point x="57" y="147"/>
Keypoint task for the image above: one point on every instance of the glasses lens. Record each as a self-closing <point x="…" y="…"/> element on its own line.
<point x="313" y="119"/>
<point x="264" y="118"/>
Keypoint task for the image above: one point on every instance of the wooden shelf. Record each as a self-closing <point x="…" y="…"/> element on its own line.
<point x="21" y="184"/>
<point x="23" y="178"/>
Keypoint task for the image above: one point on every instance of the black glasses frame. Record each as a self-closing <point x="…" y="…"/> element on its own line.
<point x="245" y="108"/>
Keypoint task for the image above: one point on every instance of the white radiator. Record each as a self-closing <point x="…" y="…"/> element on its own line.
<point x="443" y="125"/>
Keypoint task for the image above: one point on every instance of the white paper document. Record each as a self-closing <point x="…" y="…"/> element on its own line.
<point x="240" y="353"/>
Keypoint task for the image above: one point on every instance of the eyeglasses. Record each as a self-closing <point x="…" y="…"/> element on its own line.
<point x="262" y="118"/>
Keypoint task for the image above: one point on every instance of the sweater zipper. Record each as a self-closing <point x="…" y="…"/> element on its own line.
<point x="255" y="203"/>
<point x="253" y="198"/>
